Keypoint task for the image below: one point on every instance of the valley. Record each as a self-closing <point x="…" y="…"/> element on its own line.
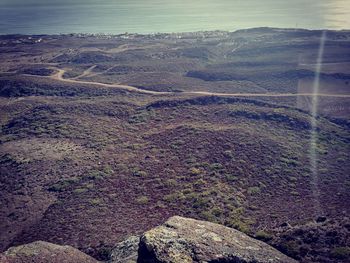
<point x="104" y="137"/>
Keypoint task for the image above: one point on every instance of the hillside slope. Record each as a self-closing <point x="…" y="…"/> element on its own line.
<point x="83" y="164"/>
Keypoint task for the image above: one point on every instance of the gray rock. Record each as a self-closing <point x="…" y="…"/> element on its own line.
<point x="179" y="240"/>
<point x="44" y="252"/>
<point x="183" y="240"/>
<point x="126" y="251"/>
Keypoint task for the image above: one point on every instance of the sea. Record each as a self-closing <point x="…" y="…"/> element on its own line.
<point x="167" y="16"/>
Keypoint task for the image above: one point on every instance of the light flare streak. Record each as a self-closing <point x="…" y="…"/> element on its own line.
<point x="313" y="152"/>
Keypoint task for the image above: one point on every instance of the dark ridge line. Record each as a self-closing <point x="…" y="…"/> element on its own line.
<point x="210" y="100"/>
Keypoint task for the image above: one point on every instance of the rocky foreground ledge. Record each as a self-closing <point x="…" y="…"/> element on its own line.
<point x="44" y="252"/>
<point x="178" y="240"/>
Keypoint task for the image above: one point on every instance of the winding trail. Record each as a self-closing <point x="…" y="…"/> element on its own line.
<point x="85" y="73"/>
<point x="60" y="72"/>
<point x="59" y="77"/>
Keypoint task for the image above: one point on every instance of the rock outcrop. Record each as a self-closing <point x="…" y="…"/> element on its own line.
<point x="126" y="251"/>
<point x="44" y="252"/>
<point x="188" y="240"/>
<point x="178" y="240"/>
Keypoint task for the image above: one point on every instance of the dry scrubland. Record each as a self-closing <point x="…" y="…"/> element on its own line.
<point x="88" y="165"/>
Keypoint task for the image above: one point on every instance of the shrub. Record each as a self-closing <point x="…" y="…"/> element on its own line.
<point x="239" y="225"/>
<point x="231" y="177"/>
<point x="96" y="201"/>
<point x="200" y="183"/>
<point x="200" y="203"/>
<point x="95" y="175"/>
<point x="138" y="173"/>
<point x="208" y="216"/>
<point x="174" y="197"/>
<point x="341" y="252"/>
<point x="80" y="190"/>
<point x="289" y="162"/>
<point x="216" y="166"/>
<point x="216" y="211"/>
<point x="58" y="187"/>
<point x="293" y="179"/>
<point x="171" y="183"/>
<point x="108" y="170"/>
<point x="195" y="171"/>
<point x="142" y="200"/>
<point x="253" y="190"/>
<point x="62" y="185"/>
<point x="290" y="248"/>
<point x="228" y="154"/>
<point x="294" y="193"/>
<point x="262" y="235"/>
<point x="8" y="158"/>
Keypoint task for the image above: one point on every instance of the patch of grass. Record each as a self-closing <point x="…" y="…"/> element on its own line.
<point x="216" y="211"/>
<point x="141" y="117"/>
<point x="292" y="179"/>
<point x="340" y="253"/>
<point x="171" y="183"/>
<point x="231" y="177"/>
<point x="80" y="190"/>
<point x="138" y="173"/>
<point x="200" y="203"/>
<point x="216" y="166"/>
<point x="239" y="225"/>
<point x="142" y="200"/>
<point x="200" y="183"/>
<point x="253" y="190"/>
<point x="195" y="171"/>
<point x="228" y="154"/>
<point x="95" y="175"/>
<point x="289" y="162"/>
<point x="63" y="185"/>
<point x="14" y="160"/>
<point x="263" y="235"/>
<point x="174" y="197"/>
<point x="96" y="201"/>
<point x="294" y="193"/>
<point x="208" y="216"/>
<point x="108" y="170"/>
<point x="290" y="248"/>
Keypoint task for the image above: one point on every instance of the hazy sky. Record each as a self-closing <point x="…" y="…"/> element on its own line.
<point x="146" y="16"/>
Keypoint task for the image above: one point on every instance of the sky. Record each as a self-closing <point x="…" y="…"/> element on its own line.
<point x="149" y="16"/>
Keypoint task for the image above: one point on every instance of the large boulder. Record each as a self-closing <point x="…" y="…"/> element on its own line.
<point x="179" y="240"/>
<point x="44" y="252"/>
<point x="185" y="240"/>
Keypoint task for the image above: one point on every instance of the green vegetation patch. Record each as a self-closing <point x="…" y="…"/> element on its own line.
<point x="341" y="253"/>
<point x="142" y="200"/>
<point x="63" y="185"/>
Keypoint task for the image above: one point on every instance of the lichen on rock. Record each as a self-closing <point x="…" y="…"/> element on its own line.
<point x="187" y="240"/>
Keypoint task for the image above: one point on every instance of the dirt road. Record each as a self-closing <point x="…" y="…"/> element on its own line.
<point x="60" y="72"/>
